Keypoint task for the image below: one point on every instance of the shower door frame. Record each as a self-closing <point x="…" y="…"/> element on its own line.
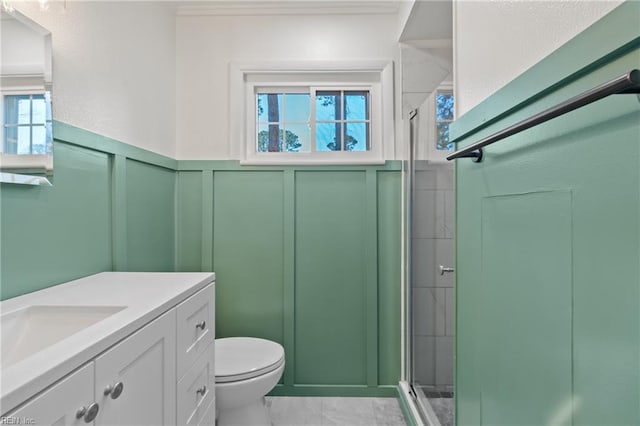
<point x="419" y="398"/>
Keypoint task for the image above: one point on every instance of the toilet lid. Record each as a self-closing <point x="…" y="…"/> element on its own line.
<point x="240" y="358"/>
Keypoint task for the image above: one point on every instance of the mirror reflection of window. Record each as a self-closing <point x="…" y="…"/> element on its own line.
<point x="444" y="117"/>
<point x="28" y="124"/>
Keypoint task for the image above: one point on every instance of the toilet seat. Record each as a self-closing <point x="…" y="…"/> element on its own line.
<point x="241" y="358"/>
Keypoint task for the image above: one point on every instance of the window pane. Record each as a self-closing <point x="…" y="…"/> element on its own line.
<point x="12" y="107"/>
<point x="269" y="138"/>
<point x="39" y="109"/>
<point x="39" y="140"/>
<point x="24" y="142"/>
<point x="442" y="132"/>
<point x="328" y="106"/>
<point x="49" y="130"/>
<point x="298" y="107"/>
<point x="298" y="137"/>
<point x="47" y="97"/>
<point x="326" y="139"/>
<point x="356" y="137"/>
<point x="444" y="106"/>
<point x="11" y="140"/>
<point x="356" y="105"/>
<point x="24" y="110"/>
<point x="269" y="107"/>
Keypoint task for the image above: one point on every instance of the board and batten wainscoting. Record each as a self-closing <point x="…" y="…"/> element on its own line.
<point x="307" y="256"/>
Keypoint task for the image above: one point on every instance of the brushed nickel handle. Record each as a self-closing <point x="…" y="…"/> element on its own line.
<point x="115" y="391"/>
<point x="444" y="269"/>
<point x="202" y="391"/>
<point x="91" y="412"/>
<point x="201" y="325"/>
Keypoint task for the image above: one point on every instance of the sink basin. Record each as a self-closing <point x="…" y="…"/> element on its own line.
<point x="32" y="329"/>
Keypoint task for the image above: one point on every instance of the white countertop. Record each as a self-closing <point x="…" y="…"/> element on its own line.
<point x="146" y="295"/>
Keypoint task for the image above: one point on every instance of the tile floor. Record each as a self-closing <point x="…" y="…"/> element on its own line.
<point x="443" y="407"/>
<point x="316" y="411"/>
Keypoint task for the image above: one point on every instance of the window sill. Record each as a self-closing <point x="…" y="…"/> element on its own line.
<point x="294" y="162"/>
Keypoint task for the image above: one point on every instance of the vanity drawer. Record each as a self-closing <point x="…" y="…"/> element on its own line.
<point x="196" y="327"/>
<point x="196" y="390"/>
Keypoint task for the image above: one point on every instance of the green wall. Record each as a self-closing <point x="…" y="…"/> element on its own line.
<point x="548" y="247"/>
<point x="305" y="256"/>
<point x="111" y="208"/>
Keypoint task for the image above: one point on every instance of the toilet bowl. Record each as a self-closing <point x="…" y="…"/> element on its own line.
<point x="246" y="369"/>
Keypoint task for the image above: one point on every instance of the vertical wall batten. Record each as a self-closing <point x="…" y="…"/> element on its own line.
<point x="289" y="274"/>
<point x="371" y="265"/>
<point x="119" y="211"/>
<point x="207" y="220"/>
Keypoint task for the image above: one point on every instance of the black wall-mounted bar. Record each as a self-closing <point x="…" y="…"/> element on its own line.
<point x="626" y="83"/>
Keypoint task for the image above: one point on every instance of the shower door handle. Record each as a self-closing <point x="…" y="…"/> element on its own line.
<point x="447" y="269"/>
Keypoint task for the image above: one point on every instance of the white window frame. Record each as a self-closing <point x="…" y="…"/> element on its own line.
<point x="374" y="76"/>
<point x="18" y="91"/>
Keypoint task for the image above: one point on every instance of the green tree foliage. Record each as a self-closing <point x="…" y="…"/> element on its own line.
<point x="292" y="143"/>
<point x="349" y="144"/>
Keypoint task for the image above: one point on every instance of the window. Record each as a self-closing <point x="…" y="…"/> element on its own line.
<point x="444" y="117"/>
<point x="27" y="124"/>
<point x="313" y="120"/>
<point x="312" y="112"/>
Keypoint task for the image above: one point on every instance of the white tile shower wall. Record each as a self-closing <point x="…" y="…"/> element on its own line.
<point x="433" y="294"/>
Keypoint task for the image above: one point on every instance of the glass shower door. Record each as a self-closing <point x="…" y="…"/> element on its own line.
<point x="431" y="283"/>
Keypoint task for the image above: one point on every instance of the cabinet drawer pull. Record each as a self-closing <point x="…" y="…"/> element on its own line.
<point x="201" y="325"/>
<point x="202" y="390"/>
<point x="114" y="390"/>
<point x="91" y="413"/>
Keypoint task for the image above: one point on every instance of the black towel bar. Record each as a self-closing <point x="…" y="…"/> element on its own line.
<point x="626" y="83"/>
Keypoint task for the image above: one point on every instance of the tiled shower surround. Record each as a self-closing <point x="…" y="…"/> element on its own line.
<point x="433" y="294"/>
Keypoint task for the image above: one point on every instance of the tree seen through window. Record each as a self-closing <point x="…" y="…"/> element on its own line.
<point x="444" y="116"/>
<point x="341" y="121"/>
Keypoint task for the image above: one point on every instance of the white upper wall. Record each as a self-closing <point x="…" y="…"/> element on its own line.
<point x="495" y="41"/>
<point x="206" y="44"/>
<point x="114" y="68"/>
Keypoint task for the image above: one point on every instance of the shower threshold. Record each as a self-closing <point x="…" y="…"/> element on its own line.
<point x="437" y="406"/>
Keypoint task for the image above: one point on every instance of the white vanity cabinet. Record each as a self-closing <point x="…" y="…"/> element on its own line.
<point x="160" y="374"/>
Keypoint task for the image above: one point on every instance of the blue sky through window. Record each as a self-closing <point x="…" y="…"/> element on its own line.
<point x="338" y="114"/>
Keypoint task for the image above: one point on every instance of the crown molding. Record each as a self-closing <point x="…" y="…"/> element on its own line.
<point x="291" y="7"/>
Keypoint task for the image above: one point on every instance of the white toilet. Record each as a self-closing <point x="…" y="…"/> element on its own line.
<point x="246" y="370"/>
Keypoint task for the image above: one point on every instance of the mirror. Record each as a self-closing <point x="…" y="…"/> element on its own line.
<point x="26" y="136"/>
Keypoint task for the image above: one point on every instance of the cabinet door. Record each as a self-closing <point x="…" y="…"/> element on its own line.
<point x="58" y="405"/>
<point x="145" y="364"/>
